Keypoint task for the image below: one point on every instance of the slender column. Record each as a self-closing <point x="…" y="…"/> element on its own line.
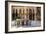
<point x="35" y="12"/>
<point x="18" y="11"/>
<point x="21" y="16"/>
<point x="28" y="13"/>
<point x="25" y="15"/>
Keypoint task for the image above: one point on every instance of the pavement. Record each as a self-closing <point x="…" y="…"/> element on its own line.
<point x="30" y="24"/>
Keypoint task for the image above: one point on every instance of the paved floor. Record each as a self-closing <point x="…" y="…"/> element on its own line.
<point x="30" y="24"/>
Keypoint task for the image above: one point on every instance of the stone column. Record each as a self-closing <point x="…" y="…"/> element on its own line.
<point x="35" y="12"/>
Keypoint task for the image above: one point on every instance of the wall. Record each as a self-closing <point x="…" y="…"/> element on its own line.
<point x="2" y="17"/>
